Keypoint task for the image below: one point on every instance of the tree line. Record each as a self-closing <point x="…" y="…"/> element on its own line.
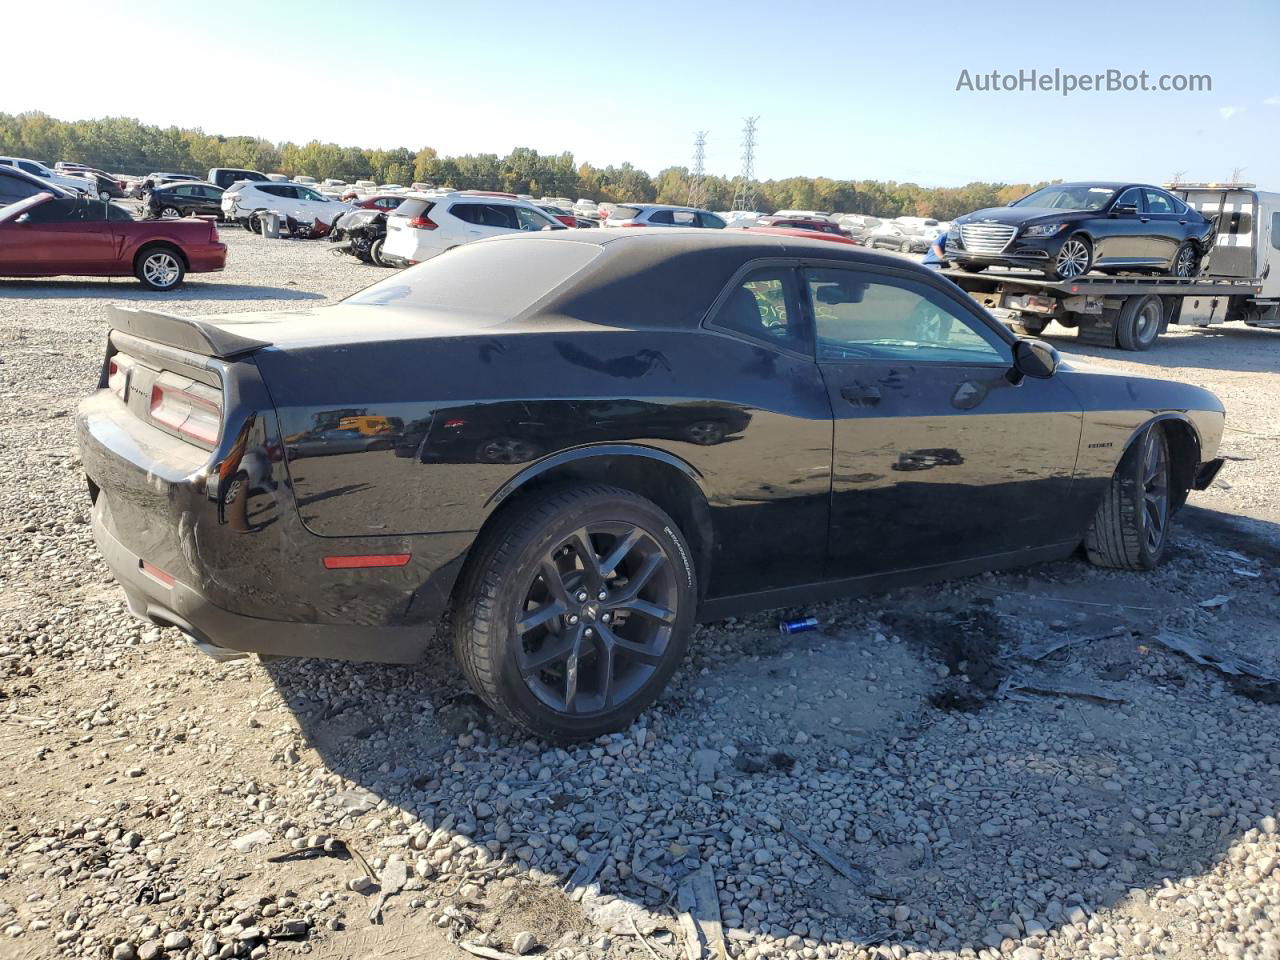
<point x="127" y="146"/>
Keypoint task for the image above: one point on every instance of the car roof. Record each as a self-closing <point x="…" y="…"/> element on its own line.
<point x="31" y="178"/>
<point x="660" y="206"/>
<point x="1105" y="184"/>
<point x="666" y="277"/>
<point x="187" y="183"/>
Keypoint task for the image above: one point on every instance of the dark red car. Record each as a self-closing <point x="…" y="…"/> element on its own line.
<point x="814" y="224"/>
<point x="48" y="236"/>
<point x="836" y="237"/>
<point x="386" y="202"/>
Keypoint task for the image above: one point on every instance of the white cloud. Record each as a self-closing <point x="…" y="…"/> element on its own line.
<point x="1228" y="112"/>
<point x="1272" y="101"/>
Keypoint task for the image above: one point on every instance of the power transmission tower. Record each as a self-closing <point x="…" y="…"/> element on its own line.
<point x="744" y="196"/>
<point x="1236" y="174"/>
<point x="1177" y="177"/>
<point x="696" y="185"/>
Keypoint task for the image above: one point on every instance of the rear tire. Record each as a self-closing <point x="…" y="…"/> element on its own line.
<point x="159" y="268"/>
<point x="543" y="657"/>
<point x="1131" y="528"/>
<point x="1140" y="322"/>
<point x="171" y="212"/>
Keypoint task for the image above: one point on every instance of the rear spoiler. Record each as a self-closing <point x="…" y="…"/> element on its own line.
<point x="185" y="333"/>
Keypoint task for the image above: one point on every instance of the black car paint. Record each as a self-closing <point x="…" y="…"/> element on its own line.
<point x="804" y="495"/>
<point x="181" y="196"/>
<point x="1141" y="240"/>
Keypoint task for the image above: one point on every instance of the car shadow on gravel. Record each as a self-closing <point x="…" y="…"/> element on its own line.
<point x="129" y="289"/>
<point x="963" y="810"/>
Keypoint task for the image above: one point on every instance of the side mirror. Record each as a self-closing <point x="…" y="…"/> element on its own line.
<point x="1034" y="358"/>
<point x="1120" y="209"/>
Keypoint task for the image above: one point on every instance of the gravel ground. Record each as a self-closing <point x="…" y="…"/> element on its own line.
<point x="155" y="803"/>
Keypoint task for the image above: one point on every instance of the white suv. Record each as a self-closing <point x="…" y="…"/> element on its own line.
<point x="245" y="199"/>
<point x="38" y="169"/>
<point x="426" y="224"/>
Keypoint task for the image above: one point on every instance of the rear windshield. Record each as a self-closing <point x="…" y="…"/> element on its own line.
<point x="412" y="208"/>
<point x="463" y="278"/>
<point x="624" y="213"/>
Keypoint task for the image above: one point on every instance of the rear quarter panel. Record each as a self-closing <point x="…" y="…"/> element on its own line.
<point x="189" y="235"/>
<point x="476" y="413"/>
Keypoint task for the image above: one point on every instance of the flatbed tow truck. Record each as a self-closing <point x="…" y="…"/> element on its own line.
<point x="1131" y="311"/>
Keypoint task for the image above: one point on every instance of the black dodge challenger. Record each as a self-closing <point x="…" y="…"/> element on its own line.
<point x="578" y="444"/>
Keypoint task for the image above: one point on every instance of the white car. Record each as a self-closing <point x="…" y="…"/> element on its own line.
<point x="38" y="169"/>
<point x="246" y="198"/>
<point x="427" y="224"/>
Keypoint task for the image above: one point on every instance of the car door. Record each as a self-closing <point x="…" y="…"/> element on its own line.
<point x="1122" y="237"/>
<point x="939" y="457"/>
<point x="1166" y="225"/>
<point x="60" y="236"/>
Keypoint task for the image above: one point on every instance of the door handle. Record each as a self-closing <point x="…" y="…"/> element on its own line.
<point x="861" y="396"/>
<point x="1183" y="222"/>
<point x="1144" y="219"/>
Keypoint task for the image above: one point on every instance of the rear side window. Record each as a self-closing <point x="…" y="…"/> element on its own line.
<point x="462" y="279"/>
<point x="468" y="212"/>
<point x="625" y="213"/>
<point x="763" y="306"/>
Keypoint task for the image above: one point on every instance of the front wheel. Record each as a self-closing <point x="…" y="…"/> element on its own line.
<point x="171" y="212"/>
<point x="375" y="252"/>
<point x="1186" y="262"/>
<point x="159" y="268"/>
<point x="574" y="612"/>
<point x="1131" y="528"/>
<point x="1074" y="259"/>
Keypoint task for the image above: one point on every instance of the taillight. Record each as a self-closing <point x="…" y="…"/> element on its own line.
<point x="631" y="223"/>
<point x="195" y="411"/>
<point x="118" y="368"/>
<point x="422" y="223"/>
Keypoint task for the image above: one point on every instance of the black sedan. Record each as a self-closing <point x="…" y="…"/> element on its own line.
<point x="1068" y="229"/>
<point x="652" y="427"/>
<point x="184" y="200"/>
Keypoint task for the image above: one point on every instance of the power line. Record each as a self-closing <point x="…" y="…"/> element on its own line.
<point x="744" y="196"/>
<point x="696" y="185"/>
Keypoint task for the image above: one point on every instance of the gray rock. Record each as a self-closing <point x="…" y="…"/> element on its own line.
<point x="523" y="942"/>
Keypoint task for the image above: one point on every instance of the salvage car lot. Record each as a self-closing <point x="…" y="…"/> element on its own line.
<point x="915" y="735"/>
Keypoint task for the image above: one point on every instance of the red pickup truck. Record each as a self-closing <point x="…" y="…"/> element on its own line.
<point x="49" y="236"/>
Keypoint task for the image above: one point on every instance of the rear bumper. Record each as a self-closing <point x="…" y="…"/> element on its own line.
<point x="209" y="258"/>
<point x="210" y="626"/>
<point x="235" y="566"/>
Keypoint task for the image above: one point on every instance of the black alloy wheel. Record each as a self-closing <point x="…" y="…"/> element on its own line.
<point x="575" y="610"/>
<point x="596" y="618"/>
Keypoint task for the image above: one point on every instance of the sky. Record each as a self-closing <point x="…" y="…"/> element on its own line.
<point x="844" y="89"/>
